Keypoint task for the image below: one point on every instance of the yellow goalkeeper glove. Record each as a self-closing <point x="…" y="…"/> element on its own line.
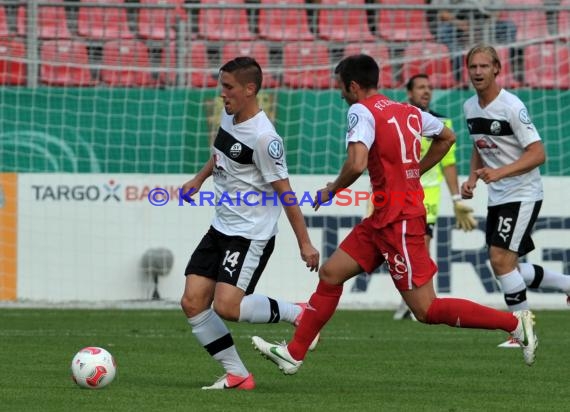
<point x="464" y="219"/>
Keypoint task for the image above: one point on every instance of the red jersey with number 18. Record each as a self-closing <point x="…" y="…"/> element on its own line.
<point x="392" y="132"/>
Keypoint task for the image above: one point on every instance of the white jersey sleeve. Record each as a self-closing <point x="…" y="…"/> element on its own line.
<point x="361" y="125"/>
<point x="431" y="125"/>
<point x="269" y="156"/>
<point x="521" y="124"/>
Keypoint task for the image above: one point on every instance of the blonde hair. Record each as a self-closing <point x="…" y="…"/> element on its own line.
<point x="487" y="49"/>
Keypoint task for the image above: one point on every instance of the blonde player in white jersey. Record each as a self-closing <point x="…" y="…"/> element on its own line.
<point x="507" y="153"/>
<point x="251" y="186"/>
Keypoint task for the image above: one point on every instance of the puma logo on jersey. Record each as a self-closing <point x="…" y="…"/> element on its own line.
<point x="505" y="236"/>
<point x="230" y="271"/>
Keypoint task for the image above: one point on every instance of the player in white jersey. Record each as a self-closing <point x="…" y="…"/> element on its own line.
<point x="251" y="186"/>
<point x="507" y="151"/>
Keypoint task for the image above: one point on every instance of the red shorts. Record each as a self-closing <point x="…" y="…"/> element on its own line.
<point x="401" y="245"/>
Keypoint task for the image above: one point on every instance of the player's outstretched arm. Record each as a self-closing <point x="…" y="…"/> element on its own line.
<point x="353" y="167"/>
<point x="438" y="149"/>
<point x="309" y="253"/>
<point x="193" y="185"/>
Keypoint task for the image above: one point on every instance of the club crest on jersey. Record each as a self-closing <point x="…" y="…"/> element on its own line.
<point x="524" y="117"/>
<point x="352" y="121"/>
<point x="235" y="150"/>
<point x="275" y="149"/>
<point x="495" y="127"/>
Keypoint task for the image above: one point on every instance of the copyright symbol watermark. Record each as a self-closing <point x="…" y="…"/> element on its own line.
<point x="158" y="196"/>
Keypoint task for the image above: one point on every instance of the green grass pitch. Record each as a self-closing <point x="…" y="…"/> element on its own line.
<point x="364" y="362"/>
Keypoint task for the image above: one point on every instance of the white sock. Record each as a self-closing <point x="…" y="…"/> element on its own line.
<point x="213" y="334"/>
<point x="536" y="276"/>
<point x="262" y="309"/>
<point x="514" y="288"/>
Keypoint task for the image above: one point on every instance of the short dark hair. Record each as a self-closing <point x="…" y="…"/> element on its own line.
<point x="410" y="83"/>
<point x="359" y="68"/>
<point x="246" y="69"/>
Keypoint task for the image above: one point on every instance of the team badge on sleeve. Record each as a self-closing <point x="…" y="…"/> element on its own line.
<point x="352" y="121"/>
<point x="275" y="149"/>
<point x="524" y="117"/>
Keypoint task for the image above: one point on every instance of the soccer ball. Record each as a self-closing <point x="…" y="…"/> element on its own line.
<point x="93" y="368"/>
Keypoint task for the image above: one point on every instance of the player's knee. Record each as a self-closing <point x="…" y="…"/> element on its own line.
<point x="328" y="275"/>
<point x="421" y="315"/>
<point x="226" y="310"/>
<point x="189" y="307"/>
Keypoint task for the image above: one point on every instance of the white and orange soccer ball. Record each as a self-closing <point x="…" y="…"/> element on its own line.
<point x="93" y="368"/>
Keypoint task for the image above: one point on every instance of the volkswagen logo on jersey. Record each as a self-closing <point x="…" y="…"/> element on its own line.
<point x="275" y="149"/>
<point x="495" y="127"/>
<point x="524" y="117"/>
<point x="235" y="150"/>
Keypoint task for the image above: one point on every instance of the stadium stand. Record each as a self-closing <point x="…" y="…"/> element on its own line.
<point x="343" y="25"/>
<point x="284" y="24"/>
<point x="531" y="24"/>
<point x="65" y="63"/>
<point x="103" y="23"/>
<point x="547" y="66"/>
<point x="12" y="64"/>
<point x="126" y="64"/>
<point x="430" y="58"/>
<point x="564" y="20"/>
<point x="4" y="27"/>
<point x="307" y="65"/>
<point x="52" y="21"/>
<point x="202" y="72"/>
<point x="224" y="23"/>
<point x="159" y="24"/>
<point x="403" y="25"/>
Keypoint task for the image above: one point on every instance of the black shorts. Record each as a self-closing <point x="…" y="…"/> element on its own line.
<point x="231" y="259"/>
<point x="509" y="226"/>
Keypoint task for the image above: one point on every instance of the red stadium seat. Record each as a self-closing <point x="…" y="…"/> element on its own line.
<point x="341" y="25"/>
<point x="103" y="23"/>
<point x="52" y="21"/>
<point x="531" y="24"/>
<point x="547" y="66"/>
<point x="65" y="63"/>
<point x="158" y="24"/>
<point x="256" y="49"/>
<point x="201" y="72"/>
<point x="284" y="24"/>
<point x="126" y="64"/>
<point x="405" y="24"/>
<point x="12" y="65"/>
<point x="431" y="59"/>
<point x="381" y="54"/>
<point x="168" y="67"/>
<point x="307" y="65"/>
<point x="224" y="23"/>
<point x="4" y="27"/>
<point x="564" y="20"/>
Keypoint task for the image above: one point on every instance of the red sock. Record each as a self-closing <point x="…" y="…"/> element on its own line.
<point x="463" y="313"/>
<point x="324" y="302"/>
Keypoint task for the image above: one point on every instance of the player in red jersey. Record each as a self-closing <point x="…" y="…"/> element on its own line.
<point x="384" y="137"/>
